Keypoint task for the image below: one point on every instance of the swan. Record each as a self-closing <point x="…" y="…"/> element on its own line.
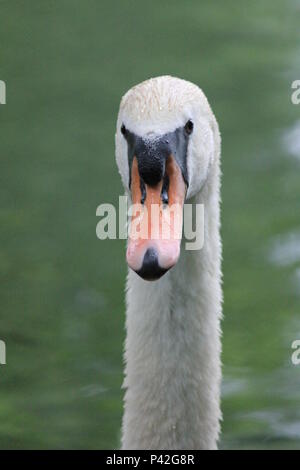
<point x="168" y="150"/>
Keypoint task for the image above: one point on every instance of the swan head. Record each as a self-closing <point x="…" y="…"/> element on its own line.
<point x="165" y="145"/>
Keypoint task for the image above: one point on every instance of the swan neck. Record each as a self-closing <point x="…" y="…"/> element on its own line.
<point x="172" y="349"/>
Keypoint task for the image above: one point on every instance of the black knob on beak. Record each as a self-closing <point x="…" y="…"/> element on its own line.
<point x="150" y="270"/>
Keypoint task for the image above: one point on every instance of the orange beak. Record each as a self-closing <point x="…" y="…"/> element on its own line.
<point x="156" y="225"/>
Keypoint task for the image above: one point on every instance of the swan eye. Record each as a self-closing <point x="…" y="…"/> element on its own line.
<point x="123" y="130"/>
<point x="189" y="127"/>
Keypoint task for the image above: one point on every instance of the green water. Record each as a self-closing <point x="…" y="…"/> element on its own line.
<point x="66" y="64"/>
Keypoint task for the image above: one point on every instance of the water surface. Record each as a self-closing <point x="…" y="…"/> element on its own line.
<point x="66" y="66"/>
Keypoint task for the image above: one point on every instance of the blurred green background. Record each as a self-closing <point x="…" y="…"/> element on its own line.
<point x="66" y="65"/>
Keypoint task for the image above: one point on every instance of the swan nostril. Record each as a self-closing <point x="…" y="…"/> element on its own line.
<point x="143" y="191"/>
<point x="165" y="189"/>
<point x="150" y="270"/>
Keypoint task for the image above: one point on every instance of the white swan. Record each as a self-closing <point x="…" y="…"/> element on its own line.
<point x="172" y="377"/>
